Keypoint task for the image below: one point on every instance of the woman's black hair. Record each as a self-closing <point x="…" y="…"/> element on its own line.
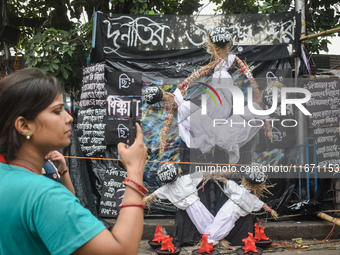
<point x="23" y="93"/>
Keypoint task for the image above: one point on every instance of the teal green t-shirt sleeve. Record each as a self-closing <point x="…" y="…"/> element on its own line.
<point x="62" y="222"/>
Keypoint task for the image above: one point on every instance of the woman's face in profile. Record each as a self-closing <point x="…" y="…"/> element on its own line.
<point x="51" y="128"/>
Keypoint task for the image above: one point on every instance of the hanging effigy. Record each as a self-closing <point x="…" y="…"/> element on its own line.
<point x="167" y="49"/>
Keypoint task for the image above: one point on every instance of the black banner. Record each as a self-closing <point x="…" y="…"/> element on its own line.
<point x="123" y="83"/>
<point x="166" y="49"/>
<point x="116" y="131"/>
<point x="112" y="193"/>
<point x="92" y="111"/>
<point x="134" y="36"/>
<point x="327" y="151"/>
<point x="325" y="101"/>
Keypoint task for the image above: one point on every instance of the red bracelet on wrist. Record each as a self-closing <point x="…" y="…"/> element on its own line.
<point x="138" y="205"/>
<point x="134" y="185"/>
<point x="63" y="172"/>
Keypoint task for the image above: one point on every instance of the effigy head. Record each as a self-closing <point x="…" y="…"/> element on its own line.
<point x="167" y="173"/>
<point x="219" y="42"/>
<point x="255" y="180"/>
<point x="152" y="94"/>
<point x="220" y="36"/>
<point x="254" y="175"/>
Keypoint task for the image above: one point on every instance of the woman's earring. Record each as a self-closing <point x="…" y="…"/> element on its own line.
<point x="28" y="135"/>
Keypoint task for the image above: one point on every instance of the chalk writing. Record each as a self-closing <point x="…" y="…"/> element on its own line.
<point x="327" y="146"/>
<point x="93" y="69"/>
<point x="93" y="87"/>
<point x="152" y="31"/>
<point x="107" y="212"/>
<point x="125" y="81"/>
<point x="119" y="107"/>
<point x="167" y="175"/>
<point x="108" y="203"/>
<point x="270" y="76"/>
<point x="283" y="32"/>
<point x="220" y="35"/>
<point x="92" y="110"/>
<point x="123" y="131"/>
<point x="277" y="135"/>
<point x="122" y="32"/>
<point x="150" y="93"/>
<point x="197" y="31"/>
<point x="112" y="192"/>
<point x="324" y="103"/>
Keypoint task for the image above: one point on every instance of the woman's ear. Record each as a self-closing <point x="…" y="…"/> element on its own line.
<point x="21" y="125"/>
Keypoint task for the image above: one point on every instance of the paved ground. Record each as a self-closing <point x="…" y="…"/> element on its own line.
<point x="310" y="232"/>
<point x="307" y="247"/>
<point x="276" y="230"/>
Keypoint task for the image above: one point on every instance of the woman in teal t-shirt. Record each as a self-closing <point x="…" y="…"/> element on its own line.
<point x="37" y="214"/>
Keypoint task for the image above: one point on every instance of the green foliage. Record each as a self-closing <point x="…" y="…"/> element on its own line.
<point x="185" y="7"/>
<point x="321" y="16"/>
<point x="61" y="53"/>
<point x="155" y="6"/>
<point x="236" y="6"/>
<point x="318" y="44"/>
<point x="132" y="7"/>
<point x="52" y="41"/>
<point x="273" y="6"/>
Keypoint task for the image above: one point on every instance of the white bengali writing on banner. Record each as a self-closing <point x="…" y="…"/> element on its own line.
<point x="92" y="110"/>
<point x="324" y="103"/>
<point x="112" y="192"/>
<point x="119" y="107"/>
<point x="327" y="143"/>
<point x="130" y="31"/>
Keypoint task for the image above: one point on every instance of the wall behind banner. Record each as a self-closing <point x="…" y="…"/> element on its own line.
<point x="165" y="49"/>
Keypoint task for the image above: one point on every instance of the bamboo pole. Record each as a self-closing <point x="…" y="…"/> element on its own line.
<point x="326" y="32"/>
<point x="328" y="218"/>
